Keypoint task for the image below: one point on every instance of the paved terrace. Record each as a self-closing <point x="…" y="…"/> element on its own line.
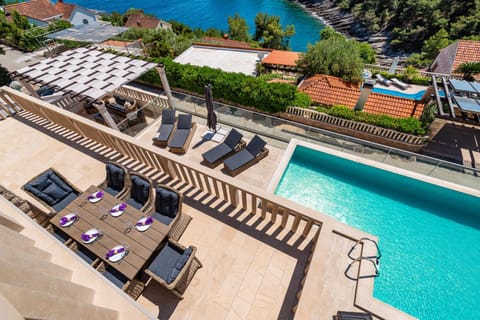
<point x="285" y="262"/>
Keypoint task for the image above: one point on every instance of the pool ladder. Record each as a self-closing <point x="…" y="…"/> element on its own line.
<point x="375" y="260"/>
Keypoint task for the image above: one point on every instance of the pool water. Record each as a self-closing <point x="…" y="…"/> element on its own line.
<point x="429" y="236"/>
<point x="413" y="96"/>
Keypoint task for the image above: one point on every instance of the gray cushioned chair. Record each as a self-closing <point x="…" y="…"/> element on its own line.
<point x="168" y="205"/>
<point x="183" y="134"/>
<point x="173" y="266"/>
<point x="141" y="192"/>
<point x="117" y="180"/>
<point x="232" y="143"/>
<point x="253" y="153"/>
<point x="166" y="128"/>
<point x="52" y="190"/>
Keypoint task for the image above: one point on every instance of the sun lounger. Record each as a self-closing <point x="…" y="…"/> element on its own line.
<point x="399" y="84"/>
<point x="382" y="80"/>
<point x="183" y="134"/>
<point x="166" y="128"/>
<point x="232" y="143"/>
<point x="253" y="153"/>
<point x="348" y="315"/>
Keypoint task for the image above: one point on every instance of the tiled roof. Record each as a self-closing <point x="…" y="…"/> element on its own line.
<point x="36" y="9"/>
<point x="467" y="51"/>
<point x="66" y="9"/>
<point x="139" y="20"/>
<point x="330" y="91"/>
<point x="225" y="42"/>
<point x="281" y="57"/>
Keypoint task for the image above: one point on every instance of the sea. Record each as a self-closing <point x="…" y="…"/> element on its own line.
<point x="214" y="13"/>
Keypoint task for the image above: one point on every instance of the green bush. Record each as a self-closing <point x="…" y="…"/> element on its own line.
<point x="236" y="88"/>
<point x="407" y="125"/>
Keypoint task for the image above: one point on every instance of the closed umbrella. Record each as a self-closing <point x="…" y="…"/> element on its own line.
<point x="211" y="116"/>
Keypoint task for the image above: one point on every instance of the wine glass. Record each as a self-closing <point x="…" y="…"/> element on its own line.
<point x="128" y="227"/>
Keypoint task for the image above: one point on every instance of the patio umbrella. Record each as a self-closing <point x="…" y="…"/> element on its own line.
<point x="211" y="116"/>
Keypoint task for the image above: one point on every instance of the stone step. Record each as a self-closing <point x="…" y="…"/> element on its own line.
<point x="26" y="277"/>
<point x="12" y="239"/>
<point x="32" y="304"/>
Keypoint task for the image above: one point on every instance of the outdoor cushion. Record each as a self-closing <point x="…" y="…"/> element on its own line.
<point x="179" y="265"/>
<point x="233" y="138"/>
<point x="256" y="145"/>
<point x="168" y="116"/>
<point x="179" y="138"/>
<point x="55" y="192"/>
<point x="139" y="190"/>
<point x="184" y="121"/>
<point x="65" y="201"/>
<point x="135" y="204"/>
<point x="166" y="220"/>
<point x="49" y="200"/>
<point x="166" y="202"/>
<point x="115" y="179"/>
<point x="116" y="277"/>
<point x="238" y="159"/>
<point x="165" y="261"/>
<point x="164" y="132"/>
<point x="216" y="152"/>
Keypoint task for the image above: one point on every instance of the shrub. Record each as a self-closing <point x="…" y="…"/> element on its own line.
<point x="407" y="125"/>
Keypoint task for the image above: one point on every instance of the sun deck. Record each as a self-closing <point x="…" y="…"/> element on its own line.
<point x="263" y="256"/>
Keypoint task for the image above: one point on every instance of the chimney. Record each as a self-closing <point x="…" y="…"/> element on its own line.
<point x="61" y="1"/>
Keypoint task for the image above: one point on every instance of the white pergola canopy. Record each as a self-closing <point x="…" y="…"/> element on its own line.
<point x="85" y="71"/>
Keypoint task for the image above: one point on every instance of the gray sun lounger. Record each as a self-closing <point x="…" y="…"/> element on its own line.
<point x="166" y="128"/>
<point x="232" y="143"/>
<point x="182" y="135"/>
<point x="253" y="153"/>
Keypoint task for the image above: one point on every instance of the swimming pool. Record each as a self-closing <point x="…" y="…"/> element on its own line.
<point x="429" y="235"/>
<point x="414" y="96"/>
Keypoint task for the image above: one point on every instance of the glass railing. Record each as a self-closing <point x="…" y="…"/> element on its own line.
<point x="284" y="130"/>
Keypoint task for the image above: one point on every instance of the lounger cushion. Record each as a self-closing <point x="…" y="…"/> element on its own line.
<point x="233" y="138"/>
<point x="256" y="145"/>
<point x="184" y="121"/>
<point x="179" y="138"/>
<point x="166" y="202"/>
<point x="168" y="116"/>
<point x="238" y="159"/>
<point x="216" y="153"/>
<point x="165" y="261"/>
<point x="164" y="132"/>
<point x="139" y="192"/>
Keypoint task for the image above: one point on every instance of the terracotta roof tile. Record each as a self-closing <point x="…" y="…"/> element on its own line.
<point x="36" y="9"/>
<point x="139" y="20"/>
<point x="281" y="57"/>
<point x="66" y="9"/>
<point x="330" y="91"/>
<point x="467" y="51"/>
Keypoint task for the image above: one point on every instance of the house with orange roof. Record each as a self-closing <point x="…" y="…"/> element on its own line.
<point x="75" y="14"/>
<point x="281" y="61"/>
<point x="452" y="56"/>
<point x="38" y="12"/>
<point x="329" y="91"/>
<point x="141" y="20"/>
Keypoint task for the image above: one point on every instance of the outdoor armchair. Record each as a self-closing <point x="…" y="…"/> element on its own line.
<point x="117" y="180"/>
<point x="140" y="195"/>
<point x="174" y="267"/>
<point x="253" y="153"/>
<point x="183" y="134"/>
<point x="232" y="143"/>
<point x="166" y="128"/>
<point x="52" y="189"/>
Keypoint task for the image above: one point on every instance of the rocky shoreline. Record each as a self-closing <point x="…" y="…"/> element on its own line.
<point x="345" y="23"/>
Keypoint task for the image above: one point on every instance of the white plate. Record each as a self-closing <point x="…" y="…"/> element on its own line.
<point x="89" y="232"/>
<point x="145" y="226"/>
<point x="117" y="257"/>
<point x="72" y="217"/>
<point x="117" y="213"/>
<point x="95" y="198"/>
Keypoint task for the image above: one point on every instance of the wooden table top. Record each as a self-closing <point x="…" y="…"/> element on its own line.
<point x="141" y="244"/>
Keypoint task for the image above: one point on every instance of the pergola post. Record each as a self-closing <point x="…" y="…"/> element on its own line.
<point x="100" y="105"/>
<point x="166" y="86"/>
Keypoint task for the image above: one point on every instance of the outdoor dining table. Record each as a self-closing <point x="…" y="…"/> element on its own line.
<point x="114" y="231"/>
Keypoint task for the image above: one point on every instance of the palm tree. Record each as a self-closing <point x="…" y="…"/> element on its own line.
<point x="469" y="69"/>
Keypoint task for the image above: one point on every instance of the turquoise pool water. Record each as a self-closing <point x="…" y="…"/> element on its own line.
<point x="429" y="236"/>
<point x="414" y="96"/>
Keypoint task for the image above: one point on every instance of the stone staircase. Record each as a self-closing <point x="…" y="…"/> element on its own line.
<point x="35" y="287"/>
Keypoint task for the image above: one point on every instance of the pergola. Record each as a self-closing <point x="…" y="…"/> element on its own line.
<point x="94" y="33"/>
<point x="85" y="71"/>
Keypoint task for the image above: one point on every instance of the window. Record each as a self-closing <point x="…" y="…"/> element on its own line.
<point x="85" y="21"/>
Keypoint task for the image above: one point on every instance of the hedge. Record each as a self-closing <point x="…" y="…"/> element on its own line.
<point x="407" y="125"/>
<point x="236" y="88"/>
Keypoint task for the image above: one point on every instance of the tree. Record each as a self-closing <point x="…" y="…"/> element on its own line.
<point x="334" y="56"/>
<point x="4" y="74"/>
<point x="238" y="28"/>
<point x="469" y="69"/>
<point x="431" y="46"/>
<point x="270" y="33"/>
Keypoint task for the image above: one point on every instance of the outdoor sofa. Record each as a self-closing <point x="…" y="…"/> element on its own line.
<point x="165" y="130"/>
<point x="183" y="134"/>
<point x="52" y="189"/>
<point x="253" y="153"/>
<point x="232" y="143"/>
